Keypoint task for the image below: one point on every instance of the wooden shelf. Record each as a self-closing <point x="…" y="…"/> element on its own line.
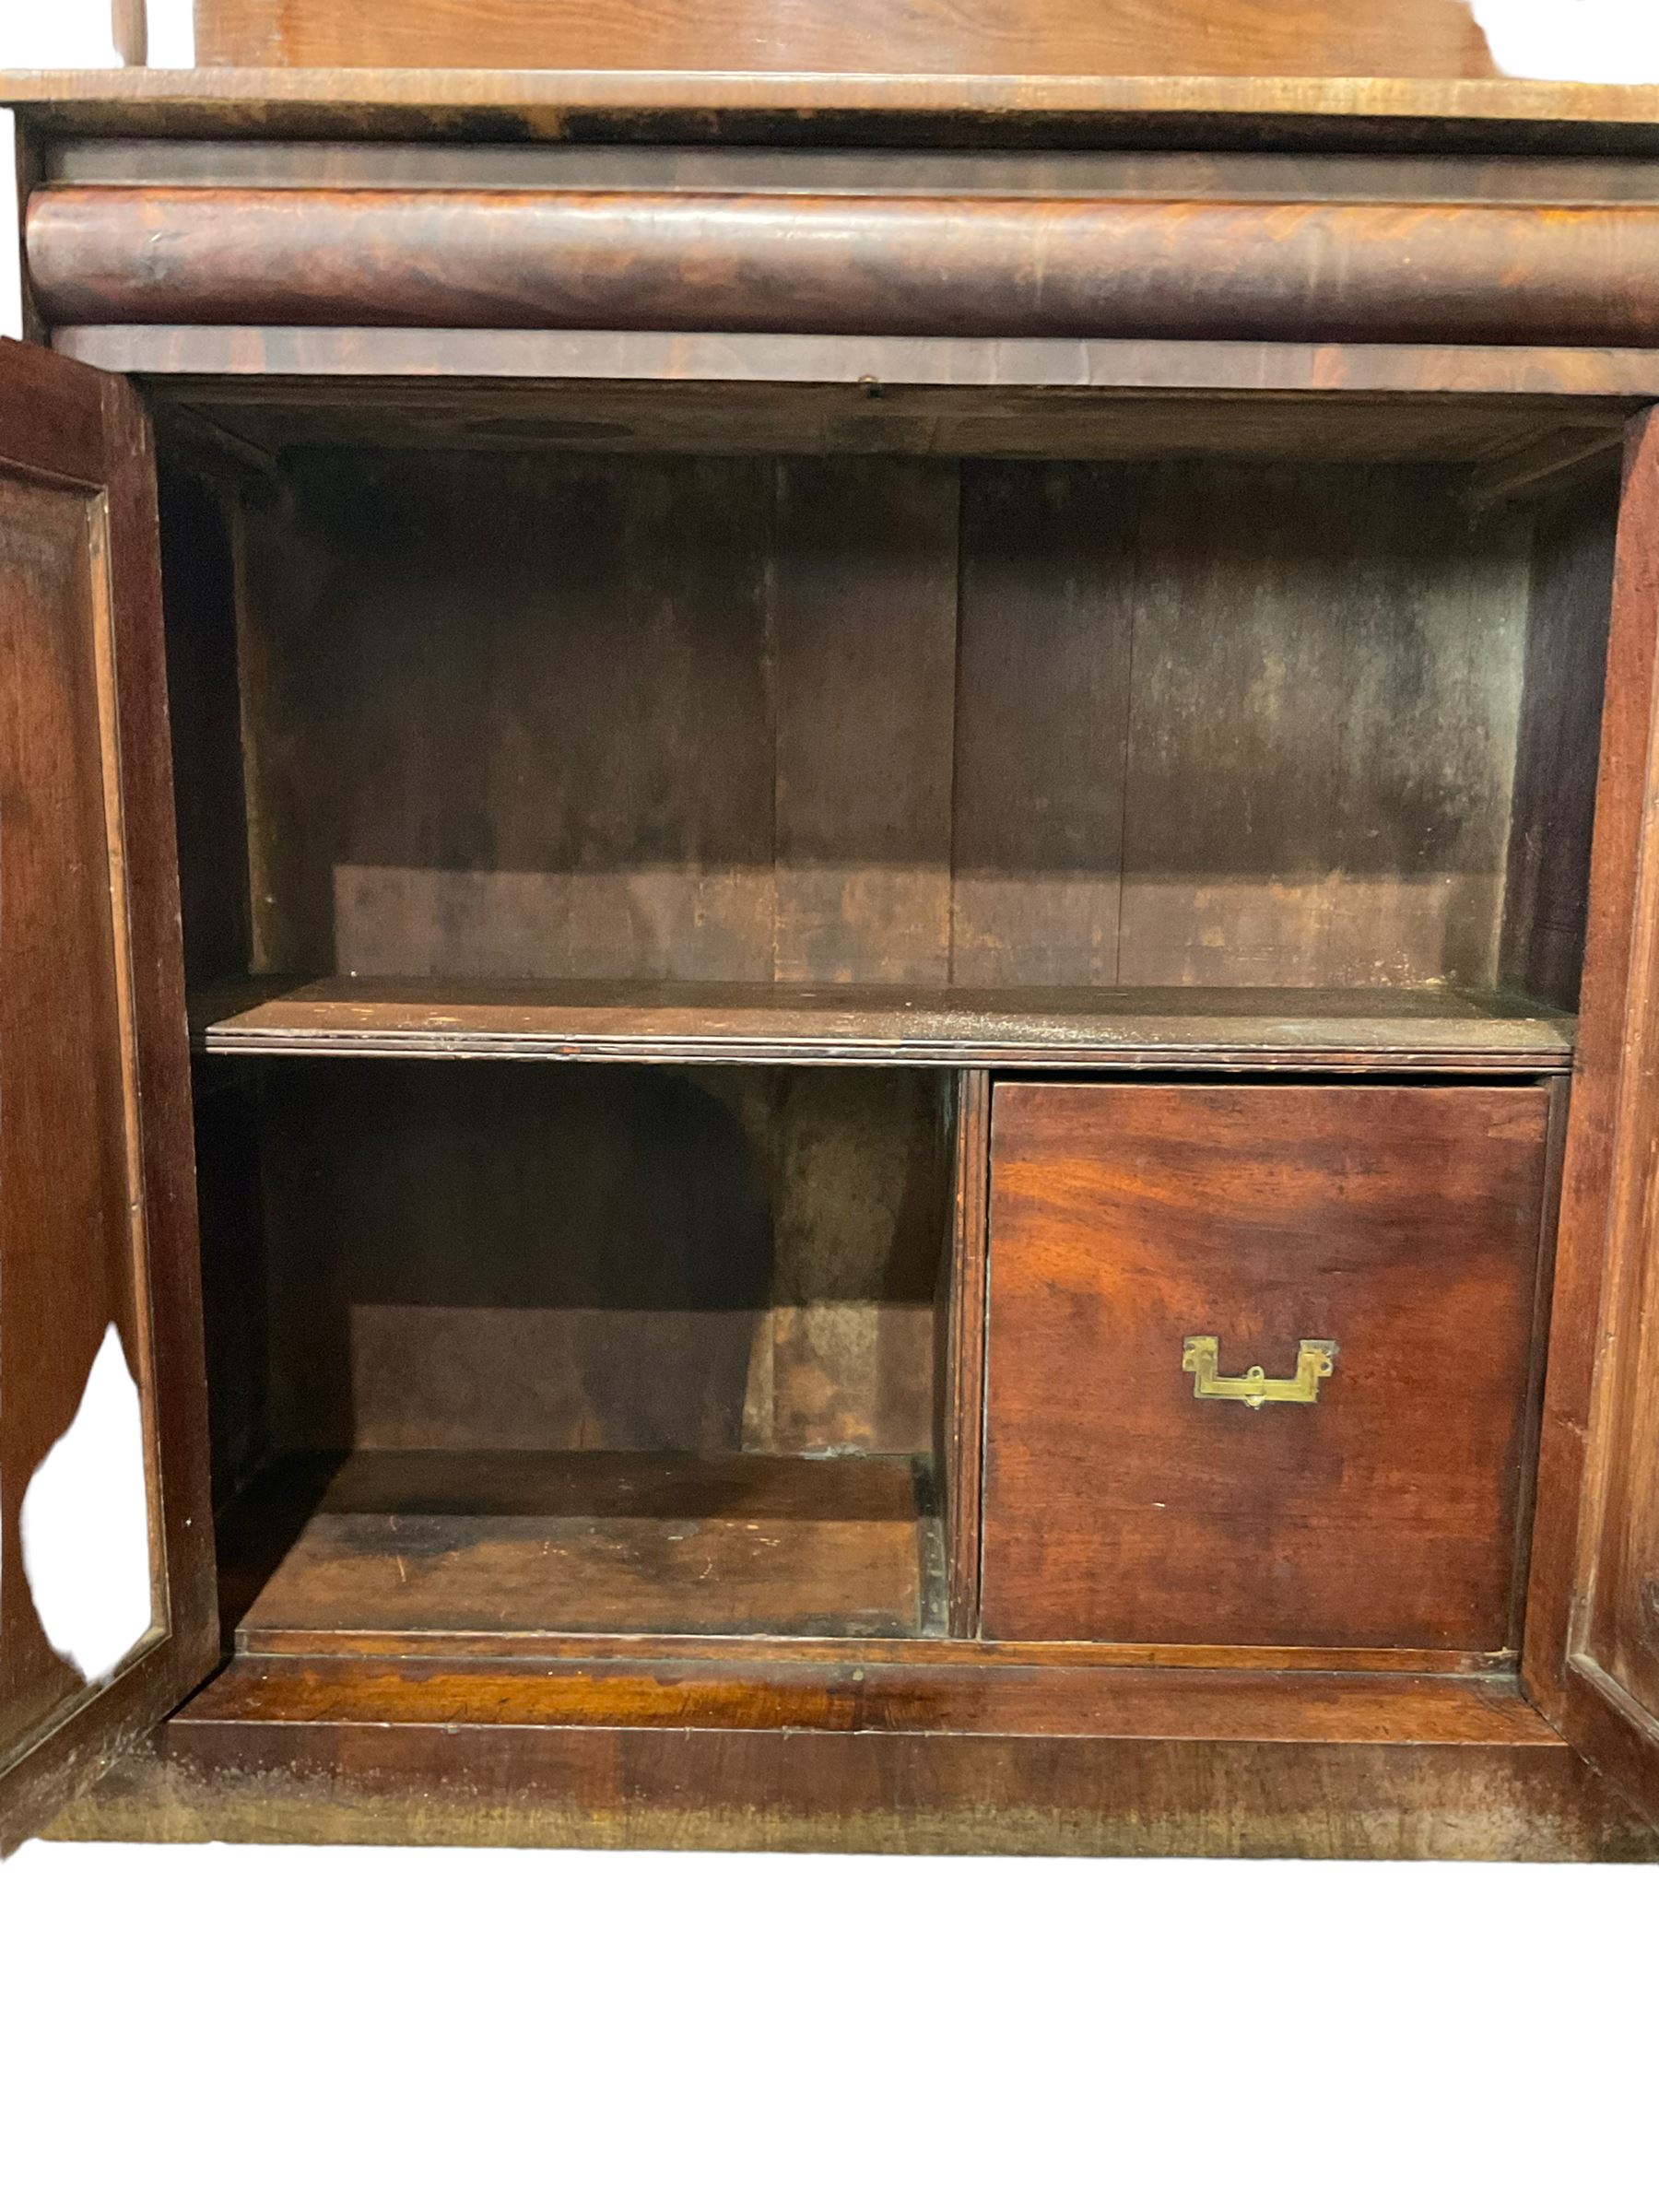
<point x="1381" y="1030"/>
<point x="604" y="1543"/>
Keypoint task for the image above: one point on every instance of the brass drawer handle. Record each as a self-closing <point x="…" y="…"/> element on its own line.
<point x="1202" y="1358"/>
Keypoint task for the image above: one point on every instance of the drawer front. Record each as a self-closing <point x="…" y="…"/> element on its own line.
<point x="1373" y="1252"/>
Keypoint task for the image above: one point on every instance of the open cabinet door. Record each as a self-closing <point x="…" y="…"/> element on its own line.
<point x="1592" y="1617"/>
<point x="107" y="1602"/>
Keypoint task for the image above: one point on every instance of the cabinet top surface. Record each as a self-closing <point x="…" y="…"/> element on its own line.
<point x="1453" y="113"/>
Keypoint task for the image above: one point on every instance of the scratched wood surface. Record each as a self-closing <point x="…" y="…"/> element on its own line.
<point x="632" y="1543"/>
<point x="721" y="721"/>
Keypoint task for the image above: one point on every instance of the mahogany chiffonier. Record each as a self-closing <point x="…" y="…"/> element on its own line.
<point x="829" y="916"/>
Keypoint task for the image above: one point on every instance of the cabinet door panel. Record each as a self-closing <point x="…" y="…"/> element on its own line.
<point x="1592" y="1650"/>
<point x="107" y="1612"/>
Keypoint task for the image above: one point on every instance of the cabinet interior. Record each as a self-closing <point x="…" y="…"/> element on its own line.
<point x="517" y="730"/>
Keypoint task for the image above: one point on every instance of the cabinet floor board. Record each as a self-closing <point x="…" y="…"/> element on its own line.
<point x="635" y="1542"/>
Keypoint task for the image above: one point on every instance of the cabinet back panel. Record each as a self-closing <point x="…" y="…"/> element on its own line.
<point x="865" y="720"/>
<point x="474" y="1258"/>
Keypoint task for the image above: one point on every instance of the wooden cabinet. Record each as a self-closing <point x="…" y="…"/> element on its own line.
<point x="906" y="873"/>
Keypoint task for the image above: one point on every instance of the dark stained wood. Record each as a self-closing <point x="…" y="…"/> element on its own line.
<point x="1547" y="893"/>
<point x="579" y="1259"/>
<point x="1012" y="170"/>
<point x="861" y="651"/>
<point x="1325" y="696"/>
<point x="959" y="1456"/>
<point x="863" y="106"/>
<point x="1403" y="1225"/>
<point x="233" y="1767"/>
<point x="204" y="685"/>
<point x="1162" y="38"/>
<point x="97" y="1206"/>
<point x="718" y="721"/>
<point x="425" y="1543"/>
<point x="1178" y="1026"/>
<point x="1046" y="615"/>
<point x="444" y="387"/>
<point x="1593" y="1627"/>
<point x="975" y="266"/>
<point x="1598" y="1270"/>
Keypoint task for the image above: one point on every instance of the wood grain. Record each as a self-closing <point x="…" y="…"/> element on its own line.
<point x="587" y="1259"/>
<point x="1165" y="1784"/>
<point x="1163" y="37"/>
<point x="865" y="106"/>
<point x="1046" y="612"/>
<point x="1403" y="1225"/>
<point x="959" y="1455"/>
<point x="979" y="267"/>
<point x="1598" y="1270"/>
<point x="1324" y="710"/>
<point x="1168" y="1027"/>
<point x="1548" y="876"/>
<point x="429" y="1543"/>
<point x="96" y="1207"/>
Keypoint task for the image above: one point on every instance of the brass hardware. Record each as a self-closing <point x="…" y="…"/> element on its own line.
<point x="1314" y="1361"/>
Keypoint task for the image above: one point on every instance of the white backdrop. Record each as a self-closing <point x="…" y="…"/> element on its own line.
<point x="473" y="2030"/>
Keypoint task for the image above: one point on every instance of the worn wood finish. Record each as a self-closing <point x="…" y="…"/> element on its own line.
<point x="857" y="262"/>
<point x="1326" y="689"/>
<point x="1047" y="605"/>
<point x="624" y="1259"/>
<point x="1547" y="894"/>
<point x="1160" y="38"/>
<point x="454" y="378"/>
<point x="429" y="1543"/>
<point x="916" y="1685"/>
<point x="1341" y="1031"/>
<point x="96" y="1209"/>
<point x="1163" y="1784"/>
<point x="1594" y="1625"/>
<point x="861" y="643"/>
<point x="959" y="1453"/>
<point x="1598" y="1270"/>
<point x="865" y="106"/>
<point x="1403" y="1225"/>
<point x="710" y="721"/>
<point x="1006" y="171"/>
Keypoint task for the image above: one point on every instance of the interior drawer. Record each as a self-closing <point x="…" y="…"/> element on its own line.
<point x="1137" y="1489"/>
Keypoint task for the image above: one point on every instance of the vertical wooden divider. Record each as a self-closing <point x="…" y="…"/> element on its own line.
<point x="961" y="1340"/>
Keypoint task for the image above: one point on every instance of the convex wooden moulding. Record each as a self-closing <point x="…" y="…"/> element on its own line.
<point x="966" y="266"/>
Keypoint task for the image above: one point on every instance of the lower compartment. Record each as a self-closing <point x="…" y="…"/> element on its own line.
<point x="627" y="1350"/>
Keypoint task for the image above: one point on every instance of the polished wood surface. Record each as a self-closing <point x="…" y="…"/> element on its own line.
<point x="1162" y="38"/>
<point x="428" y="1543"/>
<point x="1593" y="1623"/>
<point x="750" y="262"/>
<point x="1403" y="1225"/>
<point x="338" y="375"/>
<point x="1170" y="1777"/>
<point x="1355" y="1030"/>
<point x="96" y="1209"/>
<point x="863" y="105"/>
